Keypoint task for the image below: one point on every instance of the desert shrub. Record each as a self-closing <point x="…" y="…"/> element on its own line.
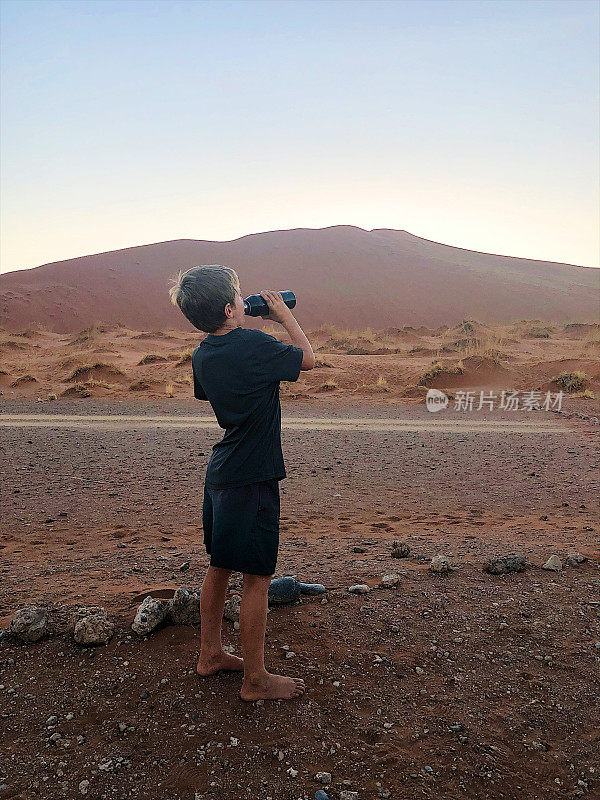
<point x="151" y="358"/>
<point x="170" y="390"/>
<point x="320" y="362"/>
<point x="139" y="386"/>
<point x="329" y="385"/>
<point x="185" y="357"/>
<point x="588" y="394"/>
<point x="79" y="371"/>
<point x="572" y="381"/>
<point x="539" y="333"/>
<point x="432" y="372"/>
<point x="24" y="379"/>
<point x="382" y="384"/>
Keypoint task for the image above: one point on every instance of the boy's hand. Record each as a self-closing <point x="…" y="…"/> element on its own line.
<point x="279" y="312"/>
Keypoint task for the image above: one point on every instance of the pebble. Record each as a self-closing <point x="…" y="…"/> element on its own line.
<point x="500" y="565"/>
<point x="440" y="563"/>
<point x="575" y="559"/>
<point x="400" y="549"/>
<point x="554" y="564"/>
<point x="324" y="778"/>
<point x="84" y="787"/>
<point x="359" y="588"/>
<point x="320" y="795"/>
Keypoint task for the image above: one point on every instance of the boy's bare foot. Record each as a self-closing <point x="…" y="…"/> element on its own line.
<point x="208" y="665"/>
<point x="272" y="687"/>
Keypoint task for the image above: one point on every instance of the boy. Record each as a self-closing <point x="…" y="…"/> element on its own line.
<point x="238" y="371"/>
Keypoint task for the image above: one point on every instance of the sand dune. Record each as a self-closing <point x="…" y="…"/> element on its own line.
<point x="389" y="365"/>
<point x="342" y="275"/>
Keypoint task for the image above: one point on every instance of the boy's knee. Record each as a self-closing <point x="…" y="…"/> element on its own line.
<point x="257" y="582"/>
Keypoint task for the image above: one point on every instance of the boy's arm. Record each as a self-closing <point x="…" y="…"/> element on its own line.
<point x="279" y="312"/>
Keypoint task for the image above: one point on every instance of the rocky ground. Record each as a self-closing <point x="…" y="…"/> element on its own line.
<point x="453" y="685"/>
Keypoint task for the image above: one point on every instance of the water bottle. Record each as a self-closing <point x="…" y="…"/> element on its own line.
<point x="256" y="306"/>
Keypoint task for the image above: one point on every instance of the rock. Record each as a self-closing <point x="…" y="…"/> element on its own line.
<point x="84" y="787"/>
<point x="53" y="720"/>
<point x="400" y="549"/>
<point x="94" y="628"/>
<point x="359" y="588"/>
<point x="440" y="563"/>
<point x="29" y="624"/>
<point x="287" y="590"/>
<point x="499" y="565"/>
<point x="390" y="580"/>
<point x="312" y="588"/>
<point x="575" y="559"/>
<point x="81" y="612"/>
<point x="554" y="563"/>
<point x="284" y="590"/>
<point x="232" y="608"/>
<point x="184" y="608"/>
<point x="150" y="614"/>
<point x="320" y="795"/>
<point x="346" y="794"/>
<point x="323" y="778"/>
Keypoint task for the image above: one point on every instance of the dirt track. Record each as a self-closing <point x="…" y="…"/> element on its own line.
<point x="459" y="686"/>
<point x="130" y="422"/>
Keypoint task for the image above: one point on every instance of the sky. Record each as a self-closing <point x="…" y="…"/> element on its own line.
<point x="473" y="123"/>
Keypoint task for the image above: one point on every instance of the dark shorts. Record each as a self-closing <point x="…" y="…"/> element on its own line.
<point x="241" y="527"/>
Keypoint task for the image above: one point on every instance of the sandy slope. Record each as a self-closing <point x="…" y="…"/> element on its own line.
<point x="342" y="275"/>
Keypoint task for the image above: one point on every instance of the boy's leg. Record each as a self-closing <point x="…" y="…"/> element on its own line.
<point x="258" y="683"/>
<point x="212" y="602"/>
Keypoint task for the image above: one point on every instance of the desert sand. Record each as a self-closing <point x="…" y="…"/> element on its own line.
<point x="342" y="275"/>
<point x="456" y="685"/>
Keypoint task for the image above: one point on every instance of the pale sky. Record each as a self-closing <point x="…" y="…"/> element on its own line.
<point x="130" y="122"/>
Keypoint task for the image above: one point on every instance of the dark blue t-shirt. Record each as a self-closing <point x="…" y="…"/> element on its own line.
<point x="239" y="374"/>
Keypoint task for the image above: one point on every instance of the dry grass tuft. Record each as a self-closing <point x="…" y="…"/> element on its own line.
<point x="572" y="381"/>
<point x="151" y="358"/>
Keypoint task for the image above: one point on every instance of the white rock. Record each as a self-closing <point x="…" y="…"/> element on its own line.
<point x="184" y="608"/>
<point x="29" y="624"/>
<point x="359" y="588"/>
<point x="150" y="614"/>
<point x="232" y="609"/>
<point x="440" y="563"/>
<point x="554" y="563"/>
<point x="94" y="629"/>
